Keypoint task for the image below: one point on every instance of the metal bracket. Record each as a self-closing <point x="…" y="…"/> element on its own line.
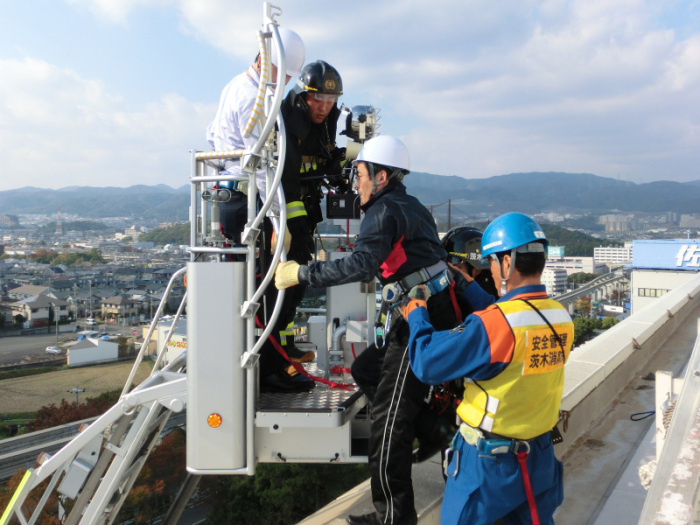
<point x="249" y="360"/>
<point x="216" y="195"/>
<point x="250" y="163"/>
<point x="249" y="235"/>
<point x="248" y="309"/>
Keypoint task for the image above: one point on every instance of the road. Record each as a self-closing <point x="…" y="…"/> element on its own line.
<point x="29" y="348"/>
<point x="32" y="348"/>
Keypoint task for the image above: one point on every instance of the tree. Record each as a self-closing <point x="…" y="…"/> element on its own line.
<point x="608" y="322"/>
<point x="53" y="416"/>
<point x="581" y="277"/>
<point x="583" y="329"/>
<point x="158" y="482"/>
<point x="279" y="493"/>
<point x="178" y="234"/>
<point x="19" y="319"/>
<point x="583" y="305"/>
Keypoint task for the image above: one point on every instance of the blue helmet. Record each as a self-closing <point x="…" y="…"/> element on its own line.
<point x="510" y="231"/>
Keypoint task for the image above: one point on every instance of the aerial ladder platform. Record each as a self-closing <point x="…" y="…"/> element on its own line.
<point x="231" y="426"/>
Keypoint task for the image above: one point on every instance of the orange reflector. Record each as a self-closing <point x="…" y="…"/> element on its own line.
<point x="184" y="281"/>
<point x="214" y="420"/>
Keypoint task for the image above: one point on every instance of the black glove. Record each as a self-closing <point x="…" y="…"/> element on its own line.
<point x="334" y="168"/>
<point x="301" y="247"/>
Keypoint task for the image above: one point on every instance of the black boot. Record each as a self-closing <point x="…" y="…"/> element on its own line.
<point x="373" y="518"/>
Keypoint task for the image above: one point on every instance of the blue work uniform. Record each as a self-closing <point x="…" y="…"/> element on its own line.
<point x="513" y="364"/>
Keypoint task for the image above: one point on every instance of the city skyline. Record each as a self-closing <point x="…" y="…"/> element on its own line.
<point x="116" y="93"/>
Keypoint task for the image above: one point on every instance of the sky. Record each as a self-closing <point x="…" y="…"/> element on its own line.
<point x="117" y="92"/>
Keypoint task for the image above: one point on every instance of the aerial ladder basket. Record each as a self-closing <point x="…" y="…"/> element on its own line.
<point x="230" y="426"/>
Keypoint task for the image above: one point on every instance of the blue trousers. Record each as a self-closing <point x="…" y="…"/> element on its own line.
<point x="487" y="488"/>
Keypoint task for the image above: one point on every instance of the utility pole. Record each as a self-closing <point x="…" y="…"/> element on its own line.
<point x="449" y="214"/>
<point x="55" y="314"/>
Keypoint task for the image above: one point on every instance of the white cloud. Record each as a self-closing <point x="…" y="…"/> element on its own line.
<point x="476" y="89"/>
<point x="62" y="130"/>
<point x="117" y="11"/>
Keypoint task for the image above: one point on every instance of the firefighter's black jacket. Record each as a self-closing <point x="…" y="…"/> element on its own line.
<point x="397" y="237"/>
<point x="307" y="143"/>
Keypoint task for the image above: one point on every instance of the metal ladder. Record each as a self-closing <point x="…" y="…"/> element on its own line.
<point x="98" y="468"/>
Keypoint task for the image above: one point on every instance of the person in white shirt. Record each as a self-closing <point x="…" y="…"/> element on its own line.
<point x="227" y="132"/>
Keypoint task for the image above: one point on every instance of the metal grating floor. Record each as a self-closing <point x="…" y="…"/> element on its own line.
<point x="320" y="399"/>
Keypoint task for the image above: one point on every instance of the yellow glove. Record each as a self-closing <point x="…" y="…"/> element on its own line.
<point x="286" y="274"/>
<point x="287" y="240"/>
<point x="416" y="298"/>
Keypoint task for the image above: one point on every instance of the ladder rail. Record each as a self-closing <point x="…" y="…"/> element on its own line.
<point x="154" y="322"/>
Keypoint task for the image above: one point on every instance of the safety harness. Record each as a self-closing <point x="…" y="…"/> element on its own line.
<point x="436" y="278"/>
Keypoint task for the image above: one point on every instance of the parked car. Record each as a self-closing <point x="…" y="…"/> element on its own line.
<point x="53" y="350"/>
<point x="90" y="321"/>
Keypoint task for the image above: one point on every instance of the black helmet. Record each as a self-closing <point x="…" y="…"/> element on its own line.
<point x="465" y="244"/>
<point x="320" y="77"/>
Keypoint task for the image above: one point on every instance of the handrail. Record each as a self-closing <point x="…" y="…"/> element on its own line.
<point x="672" y="495"/>
<point x="163" y="349"/>
<point x="144" y="345"/>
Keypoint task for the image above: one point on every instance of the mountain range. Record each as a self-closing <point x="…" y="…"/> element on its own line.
<point x="525" y="192"/>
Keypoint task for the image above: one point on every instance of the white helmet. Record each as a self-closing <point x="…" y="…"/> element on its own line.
<point x="294" y="50"/>
<point x="386" y="151"/>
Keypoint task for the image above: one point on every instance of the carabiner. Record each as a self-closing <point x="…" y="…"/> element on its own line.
<point x="446" y="462"/>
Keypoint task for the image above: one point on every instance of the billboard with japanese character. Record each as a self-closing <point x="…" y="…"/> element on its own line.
<point x="667" y="254"/>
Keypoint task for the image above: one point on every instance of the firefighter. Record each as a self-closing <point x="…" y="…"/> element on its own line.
<point x="435" y="424"/>
<point x="310" y="112"/>
<point x="512" y="354"/>
<point x="398" y="244"/>
<point x="463" y="246"/>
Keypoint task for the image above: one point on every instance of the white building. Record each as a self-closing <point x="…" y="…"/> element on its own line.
<point x="555" y="280"/>
<point x="178" y="341"/>
<point x="577" y="264"/>
<point x="659" y="266"/>
<point x="92" y="351"/>
<point x="614" y="255"/>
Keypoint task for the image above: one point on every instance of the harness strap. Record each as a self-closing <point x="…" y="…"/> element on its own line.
<point x="522" y="459"/>
<point x="422" y="276"/>
<point x="455" y="304"/>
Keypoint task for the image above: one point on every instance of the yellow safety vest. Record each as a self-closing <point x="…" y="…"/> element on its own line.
<point x="523" y="401"/>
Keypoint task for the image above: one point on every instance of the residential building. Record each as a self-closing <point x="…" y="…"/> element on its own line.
<point x="555" y="279"/>
<point x="119" y="309"/>
<point x="613" y="255"/>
